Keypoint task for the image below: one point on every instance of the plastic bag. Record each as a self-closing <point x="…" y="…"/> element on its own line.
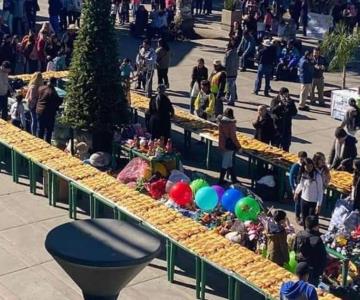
<point x="135" y="169"/>
<point x="340" y="213"/>
<point x="195" y="90"/>
<point x="176" y="176"/>
<point x="156" y="189"/>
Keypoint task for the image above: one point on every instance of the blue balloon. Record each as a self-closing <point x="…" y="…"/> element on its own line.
<point x="206" y="199"/>
<point x="229" y="199"/>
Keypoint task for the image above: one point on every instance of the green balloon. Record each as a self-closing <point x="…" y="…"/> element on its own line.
<point x="292" y="264"/>
<point x="247" y="209"/>
<point x="197" y="184"/>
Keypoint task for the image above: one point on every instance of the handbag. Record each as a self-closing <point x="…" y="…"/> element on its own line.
<point x="230" y="145"/>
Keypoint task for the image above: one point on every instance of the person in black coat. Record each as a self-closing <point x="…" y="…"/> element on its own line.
<point x="343" y="150"/>
<point x="282" y="110"/>
<point x="264" y="126"/>
<point x="310" y="248"/>
<point x="159" y="115"/>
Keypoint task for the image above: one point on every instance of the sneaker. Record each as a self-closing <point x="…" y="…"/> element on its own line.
<point x="266" y="94"/>
<point x="255" y="92"/>
<point x="304" y="108"/>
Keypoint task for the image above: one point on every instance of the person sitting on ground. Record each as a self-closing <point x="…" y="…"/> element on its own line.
<point x="205" y="102"/>
<point x="301" y="289"/>
<point x="309" y="248"/>
<point x="287" y="66"/>
<point x="294" y="181"/>
<point x="264" y="126"/>
<point x="17" y="112"/>
<point x="277" y="247"/>
<point x="344" y="148"/>
<point x="351" y="122"/>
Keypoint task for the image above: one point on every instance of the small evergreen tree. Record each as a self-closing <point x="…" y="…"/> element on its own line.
<point x="94" y="98"/>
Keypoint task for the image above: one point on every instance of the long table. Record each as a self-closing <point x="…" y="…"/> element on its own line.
<point x="257" y="152"/>
<point x="208" y="247"/>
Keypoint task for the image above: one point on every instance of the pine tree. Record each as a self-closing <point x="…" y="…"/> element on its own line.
<point x="95" y="100"/>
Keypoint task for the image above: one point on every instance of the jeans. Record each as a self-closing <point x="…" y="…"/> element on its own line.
<point x="148" y="83"/>
<point x="54" y="21"/>
<point x="163" y="76"/>
<point x="34" y="121"/>
<point x="46" y="127"/>
<point x="231" y="96"/>
<point x="4" y="107"/>
<point x="263" y="70"/>
<point x="298" y="208"/>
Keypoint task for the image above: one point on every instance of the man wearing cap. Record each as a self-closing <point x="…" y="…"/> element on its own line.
<point x="301" y="289"/>
<point x="231" y="63"/>
<point x="310" y="248"/>
<point x="217" y="86"/>
<point x="266" y="58"/>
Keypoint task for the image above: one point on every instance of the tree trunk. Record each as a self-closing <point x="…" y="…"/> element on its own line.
<point x="183" y="18"/>
<point x="344" y="77"/>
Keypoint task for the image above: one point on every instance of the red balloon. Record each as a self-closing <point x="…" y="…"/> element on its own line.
<point x="181" y="193"/>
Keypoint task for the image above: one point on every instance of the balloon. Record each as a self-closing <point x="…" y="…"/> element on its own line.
<point x="219" y="191"/>
<point x="247" y="209"/>
<point x="197" y="184"/>
<point x="206" y="199"/>
<point x="181" y="193"/>
<point x="229" y="199"/>
<point x="292" y="264"/>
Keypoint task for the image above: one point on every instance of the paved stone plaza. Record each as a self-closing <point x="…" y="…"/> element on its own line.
<point x="28" y="272"/>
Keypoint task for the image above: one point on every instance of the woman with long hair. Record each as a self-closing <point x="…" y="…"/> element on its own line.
<point x="320" y="165"/>
<point x="311" y="189"/>
<point x="32" y="96"/>
<point x="228" y="144"/>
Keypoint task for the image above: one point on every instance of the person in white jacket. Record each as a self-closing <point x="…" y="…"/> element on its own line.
<point x="310" y="189"/>
<point x="17" y="112"/>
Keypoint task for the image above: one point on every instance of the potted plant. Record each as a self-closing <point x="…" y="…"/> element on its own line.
<point x="229" y="14"/>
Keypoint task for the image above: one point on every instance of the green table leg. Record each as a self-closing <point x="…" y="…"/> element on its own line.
<point x="167" y="249"/>
<point x="203" y="280"/>
<point x="197" y="276"/>
<point x="13" y="166"/>
<point x="55" y="189"/>
<point x="70" y="201"/>
<point x="50" y="187"/>
<point x="237" y="290"/>
<point x="345" y="272"/>
<point x="172" y="262"/>
<point x="115" y="213"/>
<point x="208" y="153"/>
<point x="230" y="288"/>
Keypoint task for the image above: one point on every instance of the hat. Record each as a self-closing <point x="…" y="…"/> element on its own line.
<point x="217" y="62"/>
<point x="266" y="43"/>
<point x="73" y="27"/>
<point x="100" y="159"/>
<point x="302" y="269"/>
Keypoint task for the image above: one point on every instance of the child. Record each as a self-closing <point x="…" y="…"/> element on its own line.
<point x="205" y="102"/>
<point x="277" y="247"/>
<point x="294" y="180"/>
<point x="17" y="112"/>
<point x="126" y="69"/>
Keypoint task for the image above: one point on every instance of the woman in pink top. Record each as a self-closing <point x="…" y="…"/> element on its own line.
<point x="32" y="96"/>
